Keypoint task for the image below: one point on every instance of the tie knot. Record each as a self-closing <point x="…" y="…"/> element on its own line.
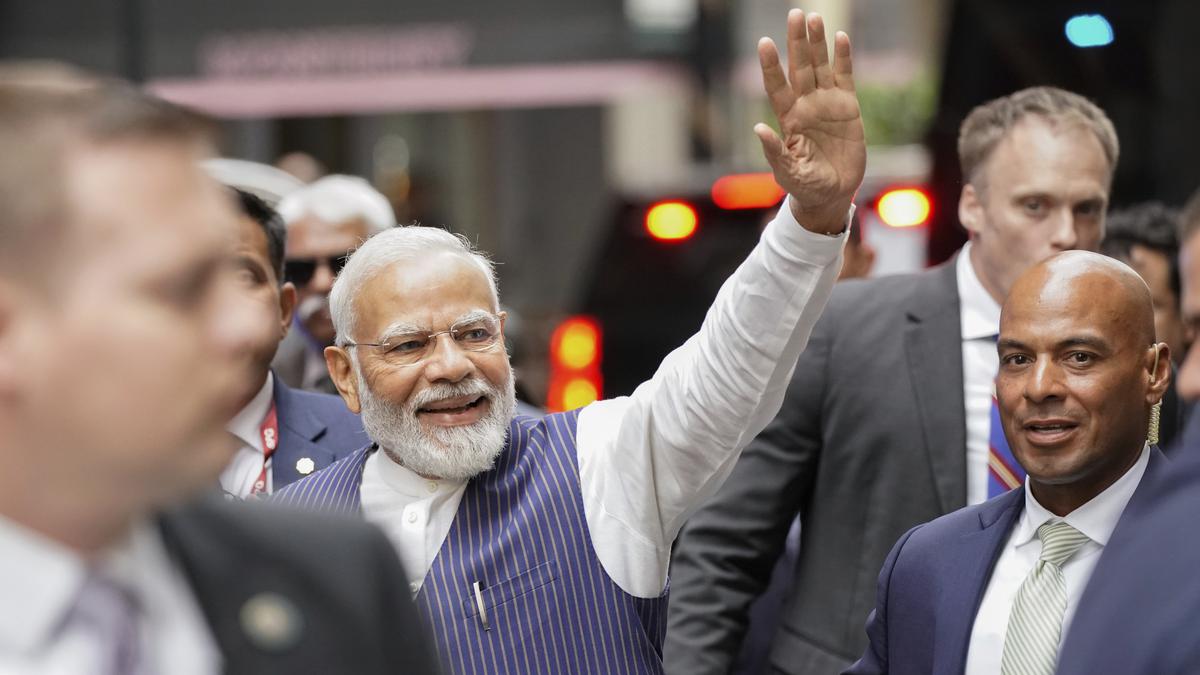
<point x="1060" y="541"/>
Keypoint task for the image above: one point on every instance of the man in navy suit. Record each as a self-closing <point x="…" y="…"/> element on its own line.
<point x="991" y="588"/>
<point x="284" y="434"/>
<point x="1137" y="612"/>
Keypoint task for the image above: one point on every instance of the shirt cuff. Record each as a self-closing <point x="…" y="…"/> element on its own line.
<point x="803" y="244"/>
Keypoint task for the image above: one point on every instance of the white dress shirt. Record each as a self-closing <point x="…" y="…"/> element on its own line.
<point x="647" y="460"/>
<point x="980" y="317"/>
<point x="243" y="471"/>
<point x="1096" y="519"/>
<point x="39" y="583"/>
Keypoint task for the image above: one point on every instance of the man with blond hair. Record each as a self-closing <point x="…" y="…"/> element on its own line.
<point x="123" y="342"/>
<point x="890" y="421"/>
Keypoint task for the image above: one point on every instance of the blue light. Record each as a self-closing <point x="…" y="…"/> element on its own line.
<point x="1089" y="30"/>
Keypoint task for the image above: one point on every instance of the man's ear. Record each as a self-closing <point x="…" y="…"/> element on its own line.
<point x="970" y="209"/>
<point x="341" y="370"/>
<point x="1160" y="373"/>
<point x="287" y="307"/>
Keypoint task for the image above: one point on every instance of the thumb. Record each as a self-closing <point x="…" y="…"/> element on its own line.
<point x="771" y="143"/>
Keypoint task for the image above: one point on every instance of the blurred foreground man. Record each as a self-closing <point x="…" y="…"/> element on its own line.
<point x="1138" y="614"/>
<point x="991" y="588"/>
<point x="122" y="340"/>
<point x="891" y="419"/>
<point x="326" y="220"/>
<point x="541" y="545"/>
<point x="282" y="433"/>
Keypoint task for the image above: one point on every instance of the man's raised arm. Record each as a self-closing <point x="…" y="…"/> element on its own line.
<point x="648" y="460"/>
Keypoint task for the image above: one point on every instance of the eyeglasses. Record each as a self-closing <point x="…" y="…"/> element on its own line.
<point x="300" y="271"/>
<point x="477" y="334"/>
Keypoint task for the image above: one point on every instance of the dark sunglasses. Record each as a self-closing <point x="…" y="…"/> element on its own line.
<point x="300" y="271"/>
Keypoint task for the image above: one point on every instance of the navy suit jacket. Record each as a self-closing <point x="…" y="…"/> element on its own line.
<point x="311" y="426"/>
<point x="1139" y="611"/>
<point x="933" y="581"/>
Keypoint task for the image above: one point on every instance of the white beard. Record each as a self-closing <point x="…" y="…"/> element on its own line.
<point x="453" y="453"/>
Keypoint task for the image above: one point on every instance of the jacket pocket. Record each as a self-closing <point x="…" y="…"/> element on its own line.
<point x="505" y="591"/>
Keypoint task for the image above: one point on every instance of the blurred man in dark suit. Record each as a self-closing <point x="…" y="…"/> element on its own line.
<point x="122" y="342"/>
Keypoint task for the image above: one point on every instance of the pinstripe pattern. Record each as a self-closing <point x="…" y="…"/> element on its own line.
<point x="1035" y="626"/>
<point x="522" y="532"/>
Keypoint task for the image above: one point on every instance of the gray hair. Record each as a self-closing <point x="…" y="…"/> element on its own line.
<point x="388" y="248"/>
<point x="339" y="198"/>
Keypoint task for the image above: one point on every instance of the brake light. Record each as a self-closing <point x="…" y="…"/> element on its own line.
<point x="671" y="221"/>
<point x="575" y="353"/>
<point x="904" y="207"/>
<point x="746" y="191"/>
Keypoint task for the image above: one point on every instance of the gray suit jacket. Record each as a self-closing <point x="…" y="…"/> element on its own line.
<point x="870" y="442"/>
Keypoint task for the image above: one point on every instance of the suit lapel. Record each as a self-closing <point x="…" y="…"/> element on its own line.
<point x="973" y="557"/>
<point x="933" y="343"/>
<point x="299" y="428"/>
<point x="226" y="586"/>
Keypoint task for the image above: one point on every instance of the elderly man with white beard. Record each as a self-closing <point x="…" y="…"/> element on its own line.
<point x="542" y="545"/>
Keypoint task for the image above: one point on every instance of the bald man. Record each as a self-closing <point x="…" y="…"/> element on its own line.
<point x="991" y="588"/>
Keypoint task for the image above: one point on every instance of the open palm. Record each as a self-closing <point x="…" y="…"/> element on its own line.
<point x="822" y="155"/>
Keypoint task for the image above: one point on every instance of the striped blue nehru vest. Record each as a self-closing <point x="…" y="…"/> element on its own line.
<point x="520" y="531"/>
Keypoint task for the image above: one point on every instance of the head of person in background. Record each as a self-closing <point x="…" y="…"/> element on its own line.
<point x="1146" y="237"/>
<point x="259" y="255"/>
<point x="326" y="220"/>
<point x="302" y="166"/>
<point x="858" y="256"/>
<point x="122" y="335"/>
<point x="1189" y="273"/>
<point x="284" y="434"/>
<point x="258" y="263"/>
<point x="1037" y="166"/>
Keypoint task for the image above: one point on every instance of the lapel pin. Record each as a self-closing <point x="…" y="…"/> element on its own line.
<point x="305" y="466"/>
<point x="271" y="622"/>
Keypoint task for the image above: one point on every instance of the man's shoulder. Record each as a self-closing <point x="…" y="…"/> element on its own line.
<point x="326" y="404"/>
<point x="892" y="294"/>
<point x="330" y="410"/>
<point x="220" y="527"/>
<point x="931" y="537"/>
<point x="333" y="488"/>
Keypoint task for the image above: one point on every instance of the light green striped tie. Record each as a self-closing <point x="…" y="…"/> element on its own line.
<point x="1035" y="625"/>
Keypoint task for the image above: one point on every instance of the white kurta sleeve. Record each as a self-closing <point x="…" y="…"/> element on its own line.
<point x="648" y="460"/>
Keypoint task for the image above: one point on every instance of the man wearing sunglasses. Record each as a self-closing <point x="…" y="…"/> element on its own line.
<point x="542" y="545"/>
<point x="325" y="221"/>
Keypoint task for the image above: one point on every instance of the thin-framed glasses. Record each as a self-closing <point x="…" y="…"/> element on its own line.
<point x="478" y="333"/>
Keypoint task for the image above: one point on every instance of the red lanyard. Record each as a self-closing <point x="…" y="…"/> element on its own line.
<point x="270" y="439"/>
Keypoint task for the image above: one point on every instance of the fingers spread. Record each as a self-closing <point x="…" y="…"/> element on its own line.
<point x="774" y="81"/>
<point x="799" y="59"/>
<point x="843" y="68"/>
<point x="819" y="51"/>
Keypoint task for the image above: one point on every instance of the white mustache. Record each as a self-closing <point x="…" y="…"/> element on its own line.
<point x="311" y="305"/>
<point x="443" y="390"/>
